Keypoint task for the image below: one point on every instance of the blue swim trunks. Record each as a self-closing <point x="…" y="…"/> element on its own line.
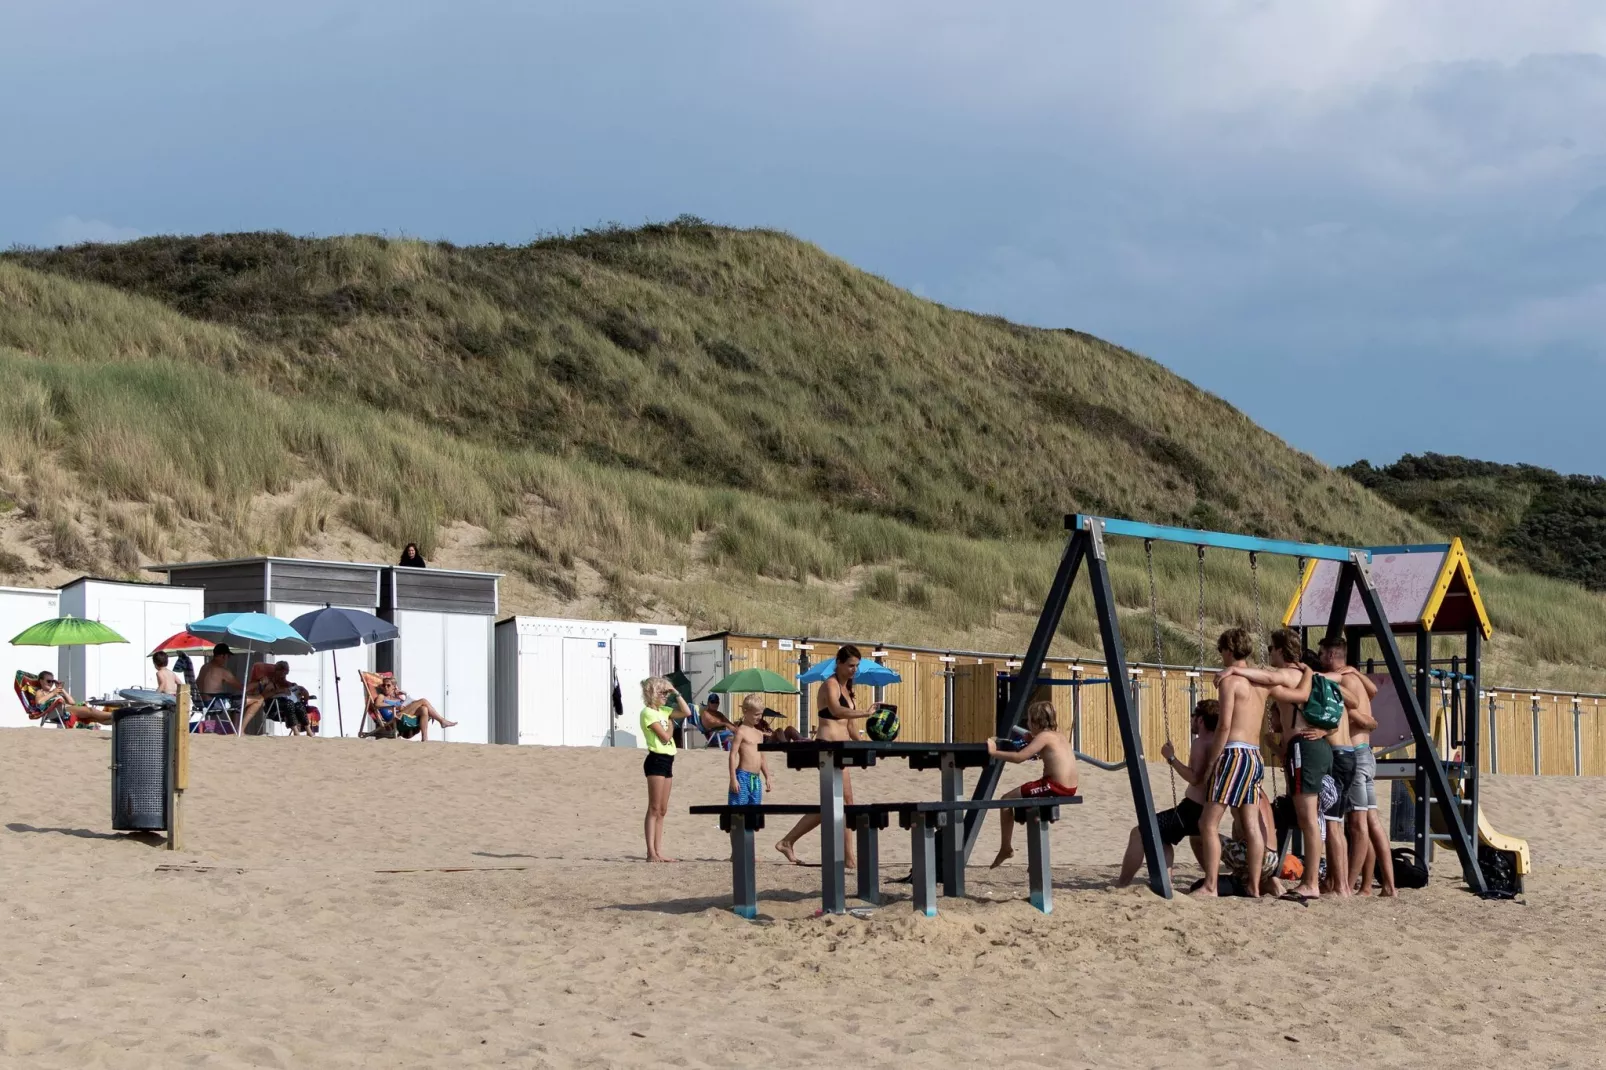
<point x="751" y="791"/>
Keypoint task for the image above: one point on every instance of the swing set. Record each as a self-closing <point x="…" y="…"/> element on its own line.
<point x="1086" y="547"/>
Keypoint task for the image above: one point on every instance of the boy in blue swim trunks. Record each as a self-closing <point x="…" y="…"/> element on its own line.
<point x="750" y="773"/>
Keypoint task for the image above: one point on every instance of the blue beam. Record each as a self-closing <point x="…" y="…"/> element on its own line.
<point x="1218" y="539"/>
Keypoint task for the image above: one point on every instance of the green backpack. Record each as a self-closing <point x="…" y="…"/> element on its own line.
<point x="1325" y="707"/>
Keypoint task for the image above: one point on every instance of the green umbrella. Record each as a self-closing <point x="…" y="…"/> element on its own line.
<point x="750" y="681"/>
<point x="67" y="631"/>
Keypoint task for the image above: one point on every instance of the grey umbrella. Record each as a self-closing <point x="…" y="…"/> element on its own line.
<point x="333" y="628"/>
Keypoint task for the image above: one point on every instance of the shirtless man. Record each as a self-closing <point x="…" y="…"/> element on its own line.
<point x="1343" y="774"/>
<point x="1309" y="755"/>
<point x="1181" y="822"/>
<point x="1234" y="761"/>
<point x="1368" y="842"/>
<point x="838" y="711"/>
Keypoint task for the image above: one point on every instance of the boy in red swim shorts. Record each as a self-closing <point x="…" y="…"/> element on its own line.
<point x="1059" y="768"/>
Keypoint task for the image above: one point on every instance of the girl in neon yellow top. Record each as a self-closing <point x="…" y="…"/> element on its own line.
<point x="662" y="706"/>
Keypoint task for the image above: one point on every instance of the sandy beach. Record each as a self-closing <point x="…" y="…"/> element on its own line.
<point x="312" y="921"/>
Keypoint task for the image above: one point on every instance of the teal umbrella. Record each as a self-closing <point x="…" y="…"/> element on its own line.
<point x="66" y="631"/>
<point x="751" y="681"/>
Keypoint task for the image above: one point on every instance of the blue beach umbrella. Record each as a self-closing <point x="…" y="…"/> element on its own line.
<point x="254" y="631"/>
<point x="333" y="628"/>
<point x="869" y="673"/>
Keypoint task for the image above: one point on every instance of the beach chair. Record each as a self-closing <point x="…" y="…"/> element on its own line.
<point x="212" y="714"/>
<point x="380" y="727"/>
<point x="26" y="685"/>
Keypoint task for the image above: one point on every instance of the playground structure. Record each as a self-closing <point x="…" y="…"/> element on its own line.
<point x="1426" y="591"/>
<point x="1352" y="599"/>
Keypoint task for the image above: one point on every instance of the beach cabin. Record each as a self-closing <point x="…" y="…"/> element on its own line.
<point x="445" y="652"/>
<point x="21" y="607"/>
<point x="286" y="588"/>
<point x="143" y="613"/>
<point x="555" y="678"/>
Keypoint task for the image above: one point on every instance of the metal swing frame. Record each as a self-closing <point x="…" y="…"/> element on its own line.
<point x="1086" y="547"/>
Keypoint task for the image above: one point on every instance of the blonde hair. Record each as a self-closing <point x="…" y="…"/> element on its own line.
<point x="1040" y="717"/>
<point x="752" y="704"/>
<point x="654" y="689"/>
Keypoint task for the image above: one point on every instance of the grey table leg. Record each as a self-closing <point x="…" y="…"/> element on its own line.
<point x="744" y="881"/>
<point x="869" y="861"/>
<point x="951" y="840"/>
<point x="923" y="845"/>
<point x="833" y="877"/>
<point x="1042" y="874"/>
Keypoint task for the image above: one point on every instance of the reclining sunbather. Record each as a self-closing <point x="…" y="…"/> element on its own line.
<point x="54" y="699"/>
<point x="410" y="716"/>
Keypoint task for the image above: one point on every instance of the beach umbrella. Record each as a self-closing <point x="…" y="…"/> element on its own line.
<point x="750" y="681"/>
<point x="66" y="631"/>
<point x="332" y="628"/>
<point x="869" y="673"/>
<point x="183" y="643"/>
<point x="257" y="632"/>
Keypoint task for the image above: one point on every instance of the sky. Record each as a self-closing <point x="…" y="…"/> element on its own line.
<point x="1376" y="227"/>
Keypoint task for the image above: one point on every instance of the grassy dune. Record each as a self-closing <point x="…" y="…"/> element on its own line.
<point x="723" y="426"/>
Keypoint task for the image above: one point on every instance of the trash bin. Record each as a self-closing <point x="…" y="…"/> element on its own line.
<point x="140" y="741"/>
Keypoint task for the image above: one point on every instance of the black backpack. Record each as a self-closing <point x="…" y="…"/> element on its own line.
<point x="1408" y="873"/>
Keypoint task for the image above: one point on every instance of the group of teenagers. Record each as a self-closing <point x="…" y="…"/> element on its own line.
<point x="1330" y="771"/>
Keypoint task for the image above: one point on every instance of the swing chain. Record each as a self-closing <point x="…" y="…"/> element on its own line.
<point x="1254" y="582"/>
<point x="1159" y="659"/>
<point x="1199" y="658"/>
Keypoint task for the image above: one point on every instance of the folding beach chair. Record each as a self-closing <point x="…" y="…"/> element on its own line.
<point x="26" y="685"/>
<point x="381" y="727"/>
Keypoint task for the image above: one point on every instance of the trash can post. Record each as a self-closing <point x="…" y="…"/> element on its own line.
<point x="179" y="775"/>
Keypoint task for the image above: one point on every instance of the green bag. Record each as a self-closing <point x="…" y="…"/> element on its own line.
<point x="1325" y="707"/>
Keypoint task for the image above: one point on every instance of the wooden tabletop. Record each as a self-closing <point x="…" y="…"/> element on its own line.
<point x="805" y="754"/>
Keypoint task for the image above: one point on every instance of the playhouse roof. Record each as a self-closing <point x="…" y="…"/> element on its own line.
<point x="1431" y="586"/>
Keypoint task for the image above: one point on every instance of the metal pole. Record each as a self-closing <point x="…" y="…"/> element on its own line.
<point x="1536" y="734"/>
<point x="1494" y="733"/>
<point x="1578" y="741"/>
<point x="1359" y="574"/>
<point x="803" y="692"/>
<point x="1474" y="751"/>
<point x="1042" y="638"/>
<point x="1076" y="713"/>
<point x="1131" y="739"/>
<point x="948" y="700"/>
<point x="1424" y="796"/>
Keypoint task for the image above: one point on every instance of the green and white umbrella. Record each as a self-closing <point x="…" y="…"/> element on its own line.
<point x="755" y="681"/>
<point x="66" y="631"/>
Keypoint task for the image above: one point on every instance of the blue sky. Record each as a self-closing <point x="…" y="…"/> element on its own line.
<point x="1376" y="226"/>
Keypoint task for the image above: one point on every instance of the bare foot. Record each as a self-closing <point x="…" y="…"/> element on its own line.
<point x="847" y="863"/>
<point x="786" y="849"/>
<point x="1364" y="890"/>
<point x="448" y="724"/>
<point x="1308" y="891"/>
<point x="1389" y="893"/>
<point x="1204" y="892"/>
<point x="1004" y="855"/>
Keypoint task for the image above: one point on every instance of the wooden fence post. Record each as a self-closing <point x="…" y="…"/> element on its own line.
<point x="178" y="771"/>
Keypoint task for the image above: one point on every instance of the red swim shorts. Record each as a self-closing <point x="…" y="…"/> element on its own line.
<point x="1037" y="789"/>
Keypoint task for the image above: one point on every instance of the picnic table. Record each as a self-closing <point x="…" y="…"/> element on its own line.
<point x="830" y="757"/>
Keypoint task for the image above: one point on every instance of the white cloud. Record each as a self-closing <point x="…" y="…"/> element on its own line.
<point x="71" y="230"/>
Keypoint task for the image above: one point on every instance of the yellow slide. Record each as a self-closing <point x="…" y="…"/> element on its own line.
<point x="1501" y="842"/>
<point x="1521" y="860"/>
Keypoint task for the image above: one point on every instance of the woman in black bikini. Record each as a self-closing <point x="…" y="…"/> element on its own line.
<point x="838" y="712"/>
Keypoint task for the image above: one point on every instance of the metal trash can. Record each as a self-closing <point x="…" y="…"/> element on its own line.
<point x="140" y="742"/>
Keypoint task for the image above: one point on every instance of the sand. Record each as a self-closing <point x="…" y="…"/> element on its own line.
<point x="280" y="936"/>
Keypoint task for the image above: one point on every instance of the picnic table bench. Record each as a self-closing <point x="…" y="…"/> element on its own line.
<point x="924" y="820"/>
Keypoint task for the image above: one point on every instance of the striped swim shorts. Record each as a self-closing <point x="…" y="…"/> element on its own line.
<point x="1237" y="775"/>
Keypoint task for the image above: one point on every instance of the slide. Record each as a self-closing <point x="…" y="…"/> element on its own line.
<point x="1521" y="862"/>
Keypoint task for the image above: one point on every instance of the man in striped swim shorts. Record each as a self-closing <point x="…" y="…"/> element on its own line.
<point x="1235" y="766"/>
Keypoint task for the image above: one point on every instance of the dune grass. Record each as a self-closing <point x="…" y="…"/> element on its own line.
<point x="729" y="428"/>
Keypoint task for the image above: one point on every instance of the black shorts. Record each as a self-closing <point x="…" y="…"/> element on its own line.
<point x="1343" y="775"/>
<point x="1178" y="824"/>
<point x="659" y="765"/>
